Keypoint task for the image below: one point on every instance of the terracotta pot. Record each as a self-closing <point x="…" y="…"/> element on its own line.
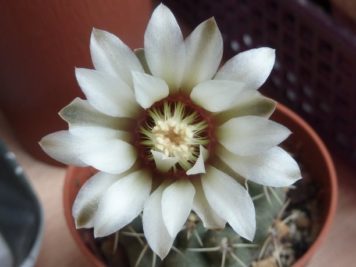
<point x="311" y="152"/>
<point x="42" y="43"/>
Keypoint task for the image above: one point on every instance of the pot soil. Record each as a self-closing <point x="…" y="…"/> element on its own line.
<point x="300" y="229"/>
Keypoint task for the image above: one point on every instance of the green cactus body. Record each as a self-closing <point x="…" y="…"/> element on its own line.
<point x="196" y="246"/>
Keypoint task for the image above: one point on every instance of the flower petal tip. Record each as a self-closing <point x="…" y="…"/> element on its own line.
<point x="161" y="9"/>
<point x="101" y="231"/>
<point x="162" y="256"/>
<point x="250" y="236"/>
<point x="270" y="53"/>
<point x="163" y="252"/>
<point x="78" y="71"/>
<point x="78" y="225"/>
<point x="161" y="5"/>
<point x="97" y="233"/>
<point x="95" y="32"/>
<point x="199" y="166"/>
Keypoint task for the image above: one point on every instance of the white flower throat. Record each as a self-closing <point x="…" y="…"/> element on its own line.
<point x="176" y="130"/>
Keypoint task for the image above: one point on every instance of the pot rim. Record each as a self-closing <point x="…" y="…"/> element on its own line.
<point x="302" y="261"/>
<point x="332" y="177"/>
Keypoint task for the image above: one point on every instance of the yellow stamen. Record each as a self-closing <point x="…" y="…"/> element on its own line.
<point x="175" y="132"/>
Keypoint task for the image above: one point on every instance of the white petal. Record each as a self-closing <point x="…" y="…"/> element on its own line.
<point x="177" y="202"/>
<point x="88" y="197"/>
<point x="164" y="47"/>
<point x="275" y="167"/>
<point x="80" y="113"/>
<point x="106" y="93"/>
<point x="202" y="208"/>
<point x="111" y="55"/>
<point x="249" y="103"/>
<point x="251" y="67"/>
<point x="140" y="54"/>
<point x="93" y="131"/>
<point x="230" y="201"/>
<point x="163" y="163"/>
<point x="154" y="228"/>
<point x="86" y="122"/>
<point x="199" y="166"/>
<point x="108" y="155"/>
<point x="149" y="89"/>
<point x="251" y="135"/>
<point x="204" y="49"/>
<point x="64" y="147"/>
<point x="122" y="203"/>
<point x="216" y="95"/>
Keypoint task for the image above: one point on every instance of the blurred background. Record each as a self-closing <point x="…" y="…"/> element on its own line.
<point x="315" y="43"/>
<point x="42" y="41"/>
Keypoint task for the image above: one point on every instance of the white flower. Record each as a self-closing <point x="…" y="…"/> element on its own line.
<point x="170" y="133"/>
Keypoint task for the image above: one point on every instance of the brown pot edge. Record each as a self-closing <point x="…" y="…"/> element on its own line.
<point x="332" y="176"/>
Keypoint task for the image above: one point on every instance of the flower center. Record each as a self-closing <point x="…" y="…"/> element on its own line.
<point x="173" y="137"/>
<point x="176" y="128"/>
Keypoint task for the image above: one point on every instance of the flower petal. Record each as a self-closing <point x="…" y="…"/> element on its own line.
<point x="153" y="226"/>
<point x="204" y="48"/>
<point x="202" y="208"/>
<point x="251" y="67"/>
<point x="275" y="167"/>
<point x="108" y="155"/>
<point x="111" y="55"/>
<point x="100" y="133"/>
<point x="140" y="54"/>
<point x="106" y="93"/>
<point x="199" y="166"/>
<point x="251" y="135"/>
<point x="80" y="113"/>
<point x="177" y="202"/>
<point x="87" y="200"/>
<point x="148" y="89"/>
<point x="86" y="122"/>
<point x="63" y="147"/>
<point x="164" y="47"/>
<point x="230" y="201"/>
<point x="249" y="103"/>
<point x="163" y="163"/>
<point x="122" y="203"/>
<point x="216" y="95"/>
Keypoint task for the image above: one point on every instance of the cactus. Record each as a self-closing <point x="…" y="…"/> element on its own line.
<point x="196" y="246"/>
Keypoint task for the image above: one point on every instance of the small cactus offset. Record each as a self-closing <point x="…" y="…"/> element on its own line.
<point x="196" y="246"/>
